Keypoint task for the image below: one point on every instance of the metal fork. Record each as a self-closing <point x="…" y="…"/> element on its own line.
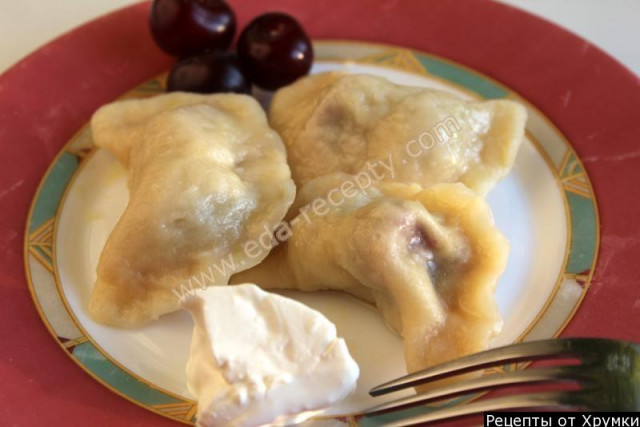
<point x="608" y="377"/>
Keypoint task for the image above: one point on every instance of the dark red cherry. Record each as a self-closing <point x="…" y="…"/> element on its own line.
<point x="187" y="27"/>
<point x="275" y="50"/>
<point x="209" y="72"/>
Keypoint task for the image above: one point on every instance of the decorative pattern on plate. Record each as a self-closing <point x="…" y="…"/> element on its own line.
<point x="563" y="302"/>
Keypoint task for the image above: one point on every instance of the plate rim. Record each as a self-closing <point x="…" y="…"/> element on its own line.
<point x="539" y="148"/>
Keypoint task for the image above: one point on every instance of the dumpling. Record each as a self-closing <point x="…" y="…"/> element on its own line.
<point x="428" y="259"/>
<point x="206" y="174"/>
<point x="338" y="122"/>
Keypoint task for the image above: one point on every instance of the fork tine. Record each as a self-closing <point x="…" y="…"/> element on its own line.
<point x="498" y="356"/>
<point x="556" y="399"/>
<point x="540" y="375"/>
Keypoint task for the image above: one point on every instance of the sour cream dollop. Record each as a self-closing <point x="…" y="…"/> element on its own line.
<point x="259" y="358"/>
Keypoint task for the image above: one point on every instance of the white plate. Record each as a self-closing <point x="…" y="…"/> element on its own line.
<point x="541" y="207"/>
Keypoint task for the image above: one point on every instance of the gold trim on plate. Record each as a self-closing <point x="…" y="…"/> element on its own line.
<point x="177" y="411"/>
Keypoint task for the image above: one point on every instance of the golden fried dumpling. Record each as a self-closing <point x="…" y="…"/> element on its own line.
<point x="338" y="122"/>
<point x="206" y="174"/>
<point x="429" y="259"/>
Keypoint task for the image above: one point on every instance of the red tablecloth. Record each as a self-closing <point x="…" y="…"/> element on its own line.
<point x="51" y="93"/>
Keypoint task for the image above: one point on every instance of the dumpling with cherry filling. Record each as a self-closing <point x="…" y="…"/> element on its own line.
<point x="429" y="259"/>
<point x="206" y="173"/>
<point x="339" y="122"/>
